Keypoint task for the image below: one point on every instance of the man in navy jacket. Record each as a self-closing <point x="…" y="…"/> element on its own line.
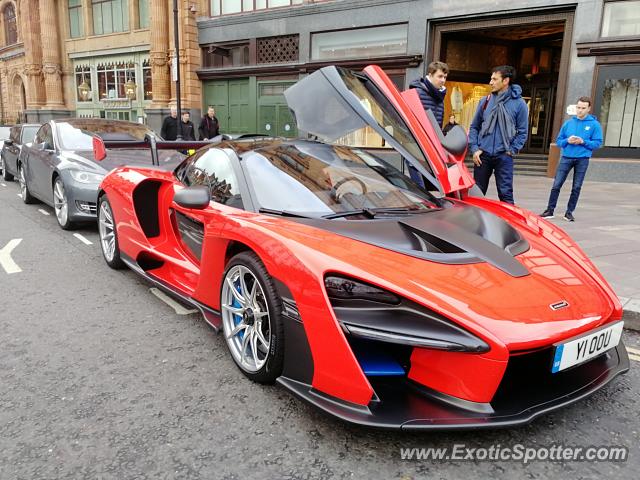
<point x="431" y="91"/>
<point x="498" y="132"/>
<point x="578" y="138"/>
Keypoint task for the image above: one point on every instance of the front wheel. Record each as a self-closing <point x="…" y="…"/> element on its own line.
<point x="251" y="318"/>
<point x="24" y="188"/>
<point x="61" y="205"/>
<point x="108" y="234"/>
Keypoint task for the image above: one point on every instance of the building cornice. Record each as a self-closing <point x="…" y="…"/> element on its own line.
<point x="111" y="51"/>
<point x="608" y="47"/>
<point x="399" y="62"/>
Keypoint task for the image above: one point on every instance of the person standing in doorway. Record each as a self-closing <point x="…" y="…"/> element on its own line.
<point x="498" y="132"/>
<point x="431" y="91"/>
<point x="578" y="138"/>
<point x="209" y="125"/>
<point x="452" y="123"/>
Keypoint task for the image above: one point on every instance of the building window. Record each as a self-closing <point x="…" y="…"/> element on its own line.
<point x="620" y="112"/>
<point x="10" y="27"/>
<point x="110" y="16"/>
<point x="360" y="43"/>
<point x="146" y="80"/>
<point x="75" y="19"/>
<point x="112" y="78"/>
<point x="143" y="13"/>
<point x="226" y="55"/>
<point x="225" y="7"/>
<point x="621" y="19"/>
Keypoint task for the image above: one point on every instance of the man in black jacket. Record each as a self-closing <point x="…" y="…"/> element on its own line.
<point x="209" y="125"/>
<point x="169" y="130"/>
<point x="188" y="129"/>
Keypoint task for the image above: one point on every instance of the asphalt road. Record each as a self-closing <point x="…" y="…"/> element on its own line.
<point x="101" y="379"/>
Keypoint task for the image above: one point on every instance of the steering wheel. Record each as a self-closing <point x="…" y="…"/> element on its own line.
<point x="334" y="190"/>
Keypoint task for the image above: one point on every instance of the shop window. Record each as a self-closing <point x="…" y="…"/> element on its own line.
<point x="621" y="19"/>
<point x="620" y="109"/>
<point x="226" y="55"/>
<point x="10" y="27"/>
<point x="110" y="16"/>
<point x="143" y="13"/>
<point x="225" y="7"/>
<point x="280" y="49"/>
<point x="83" y="83"/>
<point x="146" y="80"/>
<point x="360" y="43"/>
<point x="76" y="28"/>
<point x="112" y="79"/>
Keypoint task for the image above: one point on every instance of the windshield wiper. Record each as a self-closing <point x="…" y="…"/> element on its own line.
<point x="372" y="212"/>
<point x="282" y="213"/>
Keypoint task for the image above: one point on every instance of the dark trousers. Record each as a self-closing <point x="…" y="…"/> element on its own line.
<point x="579" y="166"/>
<point x="502" y="166"/>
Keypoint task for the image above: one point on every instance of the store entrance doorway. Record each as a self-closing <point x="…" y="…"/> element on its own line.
<point x="537" y="46"/>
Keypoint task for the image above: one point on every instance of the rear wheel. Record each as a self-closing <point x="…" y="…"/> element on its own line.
<point x="61" y="205"/>
<point x="251" y="318"/>
<point x="24" y="188"/>
<point x="108" y="234"/>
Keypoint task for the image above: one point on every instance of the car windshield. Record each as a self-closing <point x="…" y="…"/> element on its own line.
<point x="318" y="179"/>
<point x="29" y="133"/>
<point x="5" y="132"/>
<point x="77" y="136"/>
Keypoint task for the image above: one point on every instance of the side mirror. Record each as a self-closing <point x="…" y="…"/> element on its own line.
<point x="99" y="150"/>
<point x="8" y="142"/>
<point x="197" y="197"/>
<point x="45" y="146"/>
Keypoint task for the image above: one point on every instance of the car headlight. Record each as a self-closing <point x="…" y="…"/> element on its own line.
<point x="340" y="288"/>
<point x="371" y="313"/>
<point x="86" y="177"/>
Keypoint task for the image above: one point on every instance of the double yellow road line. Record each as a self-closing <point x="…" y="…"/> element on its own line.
<point x="634" y="354"/>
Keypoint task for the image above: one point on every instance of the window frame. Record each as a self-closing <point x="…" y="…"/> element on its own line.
<point x="7" y="21"/>
<point x="612" y="37"/>
<point x="253" y="9"/>
<point x="124" y="10"/>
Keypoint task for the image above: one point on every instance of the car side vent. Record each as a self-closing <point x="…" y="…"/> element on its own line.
<point x="145" y="201"/>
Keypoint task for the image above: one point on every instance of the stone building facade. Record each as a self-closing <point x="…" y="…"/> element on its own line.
<point x="102" y="58"/>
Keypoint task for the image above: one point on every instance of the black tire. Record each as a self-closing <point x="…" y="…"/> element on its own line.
<point x="115" y="261"/>
<point x="274" y="358"/>
<point x="24" y="187"/>
<point x="63" y="220"/>
<point x="5" y="175"/>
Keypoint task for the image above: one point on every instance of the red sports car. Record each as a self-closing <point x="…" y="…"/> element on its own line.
<point x="381" y="302"/>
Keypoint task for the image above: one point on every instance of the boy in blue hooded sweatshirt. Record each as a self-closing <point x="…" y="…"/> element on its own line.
<point x="498" y="132"/>
<point x="578" y="138"/>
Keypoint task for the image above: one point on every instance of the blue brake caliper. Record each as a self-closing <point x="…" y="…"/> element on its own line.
<point x="236" y="304"/>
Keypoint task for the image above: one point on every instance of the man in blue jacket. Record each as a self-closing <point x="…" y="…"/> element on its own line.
<point x="578" y="138"/>
<point x="498" y="132"/>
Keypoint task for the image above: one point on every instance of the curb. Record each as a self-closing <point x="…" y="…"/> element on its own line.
<point x="631" y="313"/>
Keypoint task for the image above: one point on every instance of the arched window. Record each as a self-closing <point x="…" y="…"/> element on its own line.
<point x="10" y="25"/>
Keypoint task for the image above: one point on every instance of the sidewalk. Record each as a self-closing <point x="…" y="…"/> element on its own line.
<point x="607" y="227"/>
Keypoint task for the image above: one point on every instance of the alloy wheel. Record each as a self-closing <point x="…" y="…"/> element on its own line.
<point x="245" y="318"/>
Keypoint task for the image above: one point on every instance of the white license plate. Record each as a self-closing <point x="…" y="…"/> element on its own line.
<point x="585" y="347"/>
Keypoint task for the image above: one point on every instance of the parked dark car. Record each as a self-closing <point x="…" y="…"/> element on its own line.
<point x="19" y="135"/>
<point x="59" y="168"/>
<point x="5" y="131"/>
